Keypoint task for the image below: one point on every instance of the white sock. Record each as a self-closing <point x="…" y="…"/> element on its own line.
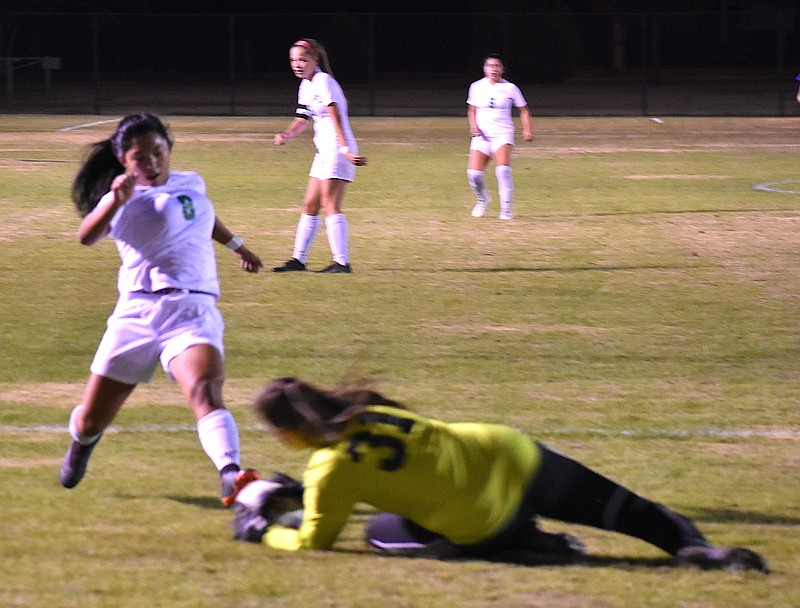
<point x="304" y="237"/>
<point x="478" y="184"/>
<point x="505" y="187"/>
<point x="219" y="437"/>
<point x="73" y="428"/>
<point x="336" y="225"/>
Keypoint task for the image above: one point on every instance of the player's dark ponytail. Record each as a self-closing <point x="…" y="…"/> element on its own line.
<point x="101" y="164"/>
<point x="94" y="178"/>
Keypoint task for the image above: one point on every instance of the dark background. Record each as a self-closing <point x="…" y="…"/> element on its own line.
<point x="592" y="57"/>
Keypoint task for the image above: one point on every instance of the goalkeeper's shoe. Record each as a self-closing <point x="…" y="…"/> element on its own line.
<point x="73" y="467"/>
<point x="721" y="558"/>
<point x="233" y="482"/>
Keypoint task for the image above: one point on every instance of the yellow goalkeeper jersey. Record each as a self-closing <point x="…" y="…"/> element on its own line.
<point x="463" y="481"/>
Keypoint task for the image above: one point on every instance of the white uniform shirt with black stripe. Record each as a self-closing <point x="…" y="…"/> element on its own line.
<point x="313" y="98"/>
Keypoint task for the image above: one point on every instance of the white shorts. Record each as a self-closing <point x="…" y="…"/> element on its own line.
<point x="489" y="145"/>
<point x="147" y="327"/>
<point x="332" y="165"/>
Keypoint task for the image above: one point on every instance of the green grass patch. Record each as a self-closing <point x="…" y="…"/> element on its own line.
<point x="641" y="313"/>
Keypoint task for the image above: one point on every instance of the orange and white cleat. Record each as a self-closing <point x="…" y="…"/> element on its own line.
<point x="233" y="482"/>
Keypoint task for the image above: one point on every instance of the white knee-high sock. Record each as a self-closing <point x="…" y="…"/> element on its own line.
<point x="73" y="428"/>
<point x="505" y="187"/>
<point x="336" y="226"/>
<point x="219" y="437"/>
<point x="478" y="184"/>
<point x="304" y="237"/>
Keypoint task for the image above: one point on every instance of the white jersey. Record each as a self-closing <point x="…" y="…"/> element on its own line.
<point x="493" y="104"/>
<point x="313" y="98"/>
<point x="163" y="235"/>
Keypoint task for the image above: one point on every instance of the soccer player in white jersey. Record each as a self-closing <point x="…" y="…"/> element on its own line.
<point x="320" y="98"/>
<point x="798" y="89"/>
<point x="164" y="226"/>
<point x="489" y="106"/>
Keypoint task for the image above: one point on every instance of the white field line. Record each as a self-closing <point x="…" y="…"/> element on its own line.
<point x="707" y="433"/>
<point x="771" y="186"/>
<point x="89" y="124"/>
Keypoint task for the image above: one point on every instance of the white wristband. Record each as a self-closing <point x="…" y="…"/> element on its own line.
<point x="343" y="149"/>
<point x="235" y="242"/>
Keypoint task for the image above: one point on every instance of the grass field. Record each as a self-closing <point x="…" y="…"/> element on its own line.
<point x="640" y="313"/>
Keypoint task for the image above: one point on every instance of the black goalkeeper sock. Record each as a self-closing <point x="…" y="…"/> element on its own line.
<point x="654" y="523"/>
<point x="567" y="490"/>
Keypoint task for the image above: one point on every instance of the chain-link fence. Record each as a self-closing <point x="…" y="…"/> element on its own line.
<point x="719" y="62"/>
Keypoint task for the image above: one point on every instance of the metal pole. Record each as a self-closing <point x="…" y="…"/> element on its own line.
<point x="645" y="41"/>
<point x="781" y="17"/>
<point x="371" y="61"/>
<point x="10" y="80"/>
<point x="232" y="61"/>
<point x="96" y="62"/>
<point x="48" y="83"/>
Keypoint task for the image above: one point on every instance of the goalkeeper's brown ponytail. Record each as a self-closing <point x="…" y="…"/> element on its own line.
<point x="320" y="416"/>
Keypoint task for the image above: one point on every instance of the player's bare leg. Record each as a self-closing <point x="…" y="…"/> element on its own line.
<point x="200" y="372"/>
<point x="102" y="400"/>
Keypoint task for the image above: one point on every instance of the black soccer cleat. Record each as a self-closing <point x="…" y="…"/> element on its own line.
<point x="336" y="268"/>
<point x="75" y="462"/>
<point x="291" y="266"/>
<point x="721" y="558"/>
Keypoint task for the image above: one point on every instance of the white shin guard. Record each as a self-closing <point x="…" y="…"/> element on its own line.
<point x="219" y="437"/>
<point x="304" y="237"/>
<point x="505" y="187"/>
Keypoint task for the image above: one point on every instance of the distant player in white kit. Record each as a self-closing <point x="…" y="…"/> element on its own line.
<point x="320" y="98"/>
<point x="164" y="226"/>
<point x="489" y="110"/>
<point x="798" y="89"/>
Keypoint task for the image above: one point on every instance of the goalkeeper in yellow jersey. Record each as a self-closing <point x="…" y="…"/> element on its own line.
<point x="463" y="490"/>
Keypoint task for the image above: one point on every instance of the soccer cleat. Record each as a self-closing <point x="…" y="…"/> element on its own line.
<point x="505" y="215"/>
<point x="721" y="558"/>
<point x="292" y="265"/>
<point x="336" y="268"/>
<point x="73" y="467"/>
<point x="479" y="209"/>
<point x="233" y="482"/>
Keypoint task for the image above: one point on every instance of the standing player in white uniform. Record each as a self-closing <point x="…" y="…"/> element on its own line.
<point x="798" y="89"/>
<point x="489" y="105"/>
<point x="163" y="224"/>
<point x="320" y="98"/>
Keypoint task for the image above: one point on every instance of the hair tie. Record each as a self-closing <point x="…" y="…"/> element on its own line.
<point x="306" y="45"/>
